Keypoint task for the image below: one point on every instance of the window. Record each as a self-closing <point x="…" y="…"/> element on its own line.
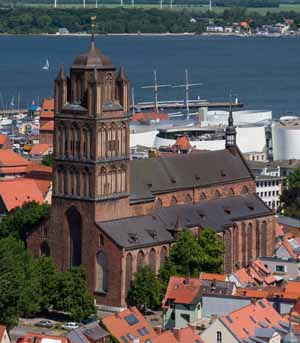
<point x="113" y="145"/>
<point x="219" y="337"/>
<point x="280" y="268"/>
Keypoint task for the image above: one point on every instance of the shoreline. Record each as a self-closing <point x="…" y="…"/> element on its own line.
<point x="204" y="34"/>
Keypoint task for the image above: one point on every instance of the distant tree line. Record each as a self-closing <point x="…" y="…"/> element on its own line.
<point x="121" y="20"/>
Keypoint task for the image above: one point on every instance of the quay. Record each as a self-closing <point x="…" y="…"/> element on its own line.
<point x="182" y="104"/>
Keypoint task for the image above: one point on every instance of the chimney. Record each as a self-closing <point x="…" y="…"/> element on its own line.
<point x="158" y="330"/>
<point x="176" y="333"/>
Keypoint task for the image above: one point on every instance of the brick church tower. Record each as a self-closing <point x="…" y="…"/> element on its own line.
<point x="91" y="156"/>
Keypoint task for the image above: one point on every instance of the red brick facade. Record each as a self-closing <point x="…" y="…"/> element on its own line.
<point x="91" y="184"/>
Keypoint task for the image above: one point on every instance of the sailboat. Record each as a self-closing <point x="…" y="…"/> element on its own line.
<point x="46" y="66"/>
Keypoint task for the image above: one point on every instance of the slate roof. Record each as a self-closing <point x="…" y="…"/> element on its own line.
<point x="92" y="331"/>
<point x="166" y="173"/>
<point x="134" y="232"/>
<point x="288" y="221"/>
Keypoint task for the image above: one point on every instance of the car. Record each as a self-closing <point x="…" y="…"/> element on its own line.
<point x="44" y="324"/>
<point x="70" y="326"/>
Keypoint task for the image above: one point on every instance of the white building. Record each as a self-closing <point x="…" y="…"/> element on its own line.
<point x="286" y="138"/>
<point x="269" y="189"/>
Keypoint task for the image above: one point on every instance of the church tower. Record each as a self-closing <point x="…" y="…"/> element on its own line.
<point x="230" y="133"/>
<point x="91" y="153"/>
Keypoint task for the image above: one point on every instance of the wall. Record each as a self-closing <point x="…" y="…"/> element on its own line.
<point x="292" y="267"/>
<point x="210" y="334"/>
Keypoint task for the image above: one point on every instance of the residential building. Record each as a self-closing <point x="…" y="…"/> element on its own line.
<point x="256" y="156"/>
<point x="255" y="274"/>
<point x="31" y="337"/>
<point x="89" y="333"/>
<point x="258" y="322"/>
<point x="282" y="269"/>
<point x="185" y="335"/>
<point x="289" y="225"/>
<point x="182" y="303"/>
<point x="129" y="326"/>
<point x="288" y="248"/>
<point x="112" y="215"/>
<point x="12" y="164"/>
<point x="5" y="142"/>
<point x="38" y="151"/>
<point x="4" y="337"/>
<point x="47" y="122"/>
<point x="269" y="189"/>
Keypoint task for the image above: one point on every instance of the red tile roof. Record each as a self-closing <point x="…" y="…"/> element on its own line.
<point x="243" y="322"/>
<point x="48" y="126"/>
<point x="40" y="149"/>
<point x="142" y="116"/>
<point x="186" y="335"/>
<point x="211" y="276"/>
<point x="182" y="290"/>
<point x="47" y="110"/>
<point x="129" y="323"/>
<point x="42" y="338"/>
<point x="11" y="162"/>
<point x="15" y="192"/>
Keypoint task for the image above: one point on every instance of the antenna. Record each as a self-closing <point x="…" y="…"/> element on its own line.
<point x="133" y="100"/>
<point x="187" y="86"/>
<point x="156" y="86"/>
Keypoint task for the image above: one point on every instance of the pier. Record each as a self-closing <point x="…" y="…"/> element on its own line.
<point x="179" y="104"/>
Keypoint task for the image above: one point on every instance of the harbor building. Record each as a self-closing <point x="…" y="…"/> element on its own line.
<point x="112" y="215"/>
<point x="286" y="137"/>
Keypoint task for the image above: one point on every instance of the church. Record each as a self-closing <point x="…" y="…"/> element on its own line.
<point x="113" y="215"/>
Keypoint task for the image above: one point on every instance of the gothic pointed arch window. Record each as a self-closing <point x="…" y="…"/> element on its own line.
<point x="102" y="180"/>
<point x="163" y="255"/>
<point x="231" y="192"/>
<point x="77" y="175"/>
<point x="173" y="201"/>
<point x="123" y="139"/>
<point x="152" y="260"/>
<point x="140" y="260"/>
<point x="123" y="181"/>
<point x="66" y="181"/>
<point x="74" y="221"/>
<point x="101" y="272"/>
<point x="188" y="199"/>
<point x="245" y="190"/>
<point x="45" y="249"/>
<point x="264" y="237"/>
<point x="203" y="196"/>
<point x="112" y="180"/>
<point x="129" y="272"/>
<point x="249" y="243"/>
<point x="102" y="141"/>
<point x="217" y="194"/>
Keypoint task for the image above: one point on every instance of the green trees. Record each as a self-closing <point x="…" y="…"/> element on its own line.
<point x="290" y="198"/>
<point x="48" y="160"/>
<point x="22" y="219"/>
<point x="146" y="290"/>
<point x="188" y="256"/>
<point x="29" y="286"/>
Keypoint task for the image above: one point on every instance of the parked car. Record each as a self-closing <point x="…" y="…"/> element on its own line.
<point x="70" y="326"/>
<point x="44" y="324"/>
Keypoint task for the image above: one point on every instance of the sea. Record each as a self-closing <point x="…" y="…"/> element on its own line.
<point x="264" y="73"/>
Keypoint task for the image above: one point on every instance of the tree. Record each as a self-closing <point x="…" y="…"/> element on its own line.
<point x="186" y="254"/>
<point x="190" y="256"/>
<point x="146" y="290"/>
<point x="212" y="251"/>
<point x="293" y="180"/>
<point x="72" y="296"/>
<point x="290" y="198"/>
<point x="48" y="160"/>
<point x="23" y="219"/>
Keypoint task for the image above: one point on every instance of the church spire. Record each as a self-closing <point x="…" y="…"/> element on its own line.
<point x="230" y="133"/>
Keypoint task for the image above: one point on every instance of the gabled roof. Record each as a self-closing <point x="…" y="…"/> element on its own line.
<point x="128" y="324"/>
<point x="211" y="276"/>
<point x="155" y="229"/>
<point x="3" y="139"/>
<point x="176" y="172"/>
<point x="185" y="335"/>
<point x="40" y="149"/>
<point x="15" y="192"/>
<point x="47" y="110"/>
<point x="245" y="322"/>
<point x="182" y="290"/>
<point x="9" y="158"/>
<point x="86" y="333"/>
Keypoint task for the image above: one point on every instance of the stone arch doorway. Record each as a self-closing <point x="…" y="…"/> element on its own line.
<point x="74" y="230"/>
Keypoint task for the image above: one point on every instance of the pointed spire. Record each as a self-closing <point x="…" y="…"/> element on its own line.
<point x="230" y="133"/>
<point x="122" y="75"/>
<point x="230" y="117"/>
<point x="61" y="74"/>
